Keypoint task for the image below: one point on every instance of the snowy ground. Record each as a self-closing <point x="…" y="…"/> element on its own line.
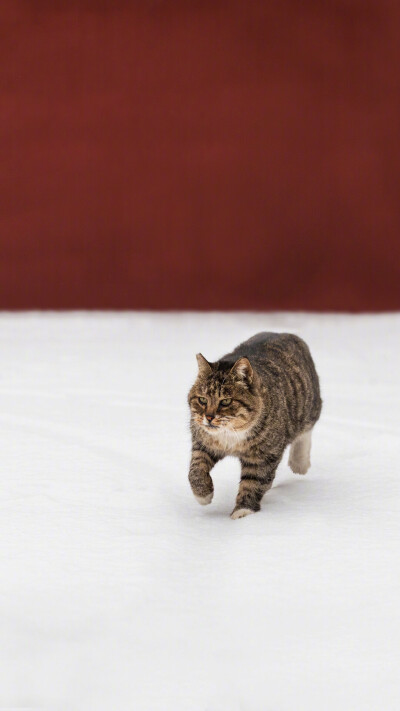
<point x="119" y="592"/>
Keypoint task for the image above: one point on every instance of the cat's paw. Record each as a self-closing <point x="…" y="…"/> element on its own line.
<point x="204" y="500"/>
<point x="299" y="467"/>
<point x="241" y="512"/>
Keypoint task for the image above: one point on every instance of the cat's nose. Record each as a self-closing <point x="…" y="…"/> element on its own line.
<point x="210" y="417"/>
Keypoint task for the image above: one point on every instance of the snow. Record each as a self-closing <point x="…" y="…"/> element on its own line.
<point x="119" y="592"/>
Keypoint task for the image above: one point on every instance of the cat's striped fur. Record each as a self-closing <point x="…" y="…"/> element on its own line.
<point x="275" y="401"/>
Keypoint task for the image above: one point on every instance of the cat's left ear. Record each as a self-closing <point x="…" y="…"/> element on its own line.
<point x="204" y="366"/>
<point x="243" y="371"/>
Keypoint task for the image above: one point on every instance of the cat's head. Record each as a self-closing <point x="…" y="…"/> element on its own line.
<point x="225" y="396"/>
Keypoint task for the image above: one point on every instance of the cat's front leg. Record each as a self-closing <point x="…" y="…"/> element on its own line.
<point x="199" y="475"/>
<point x="256" y="479"/>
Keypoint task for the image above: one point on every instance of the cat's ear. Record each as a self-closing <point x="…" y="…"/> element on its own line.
<point x="204" y="366"/>
<point x="243" y="371"/>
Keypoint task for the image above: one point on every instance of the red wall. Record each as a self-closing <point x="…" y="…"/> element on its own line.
<point x="200" y="154"/>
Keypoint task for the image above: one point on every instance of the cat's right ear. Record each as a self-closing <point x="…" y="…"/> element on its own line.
<point x="204" y="366"/>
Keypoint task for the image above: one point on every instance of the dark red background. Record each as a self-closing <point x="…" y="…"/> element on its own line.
<point x="211" y="154"/>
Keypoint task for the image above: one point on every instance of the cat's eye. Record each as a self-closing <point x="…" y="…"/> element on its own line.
<point x="227" y="401"/>
<point x="203" y="401"/>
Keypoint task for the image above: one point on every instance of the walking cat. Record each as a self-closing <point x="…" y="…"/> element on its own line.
<point x="251" y="404"/>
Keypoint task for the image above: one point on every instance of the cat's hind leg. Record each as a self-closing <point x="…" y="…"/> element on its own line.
<point x="299" y="454"/>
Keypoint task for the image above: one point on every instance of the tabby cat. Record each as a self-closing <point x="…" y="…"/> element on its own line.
<point x="251" y="404"/>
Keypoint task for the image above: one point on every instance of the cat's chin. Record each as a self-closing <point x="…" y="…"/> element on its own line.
<point x="213" y="428"/>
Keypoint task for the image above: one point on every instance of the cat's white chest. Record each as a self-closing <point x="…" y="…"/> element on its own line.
<point x="227" y="440"/>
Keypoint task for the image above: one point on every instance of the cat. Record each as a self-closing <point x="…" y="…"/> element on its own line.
<point x="251" y="404"/>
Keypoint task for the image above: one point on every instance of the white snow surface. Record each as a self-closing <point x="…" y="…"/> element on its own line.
<point x="119" y="592"/>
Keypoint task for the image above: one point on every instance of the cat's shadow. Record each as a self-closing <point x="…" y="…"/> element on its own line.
<point x="283" y="494"/>
<point x="289" y="484"/>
